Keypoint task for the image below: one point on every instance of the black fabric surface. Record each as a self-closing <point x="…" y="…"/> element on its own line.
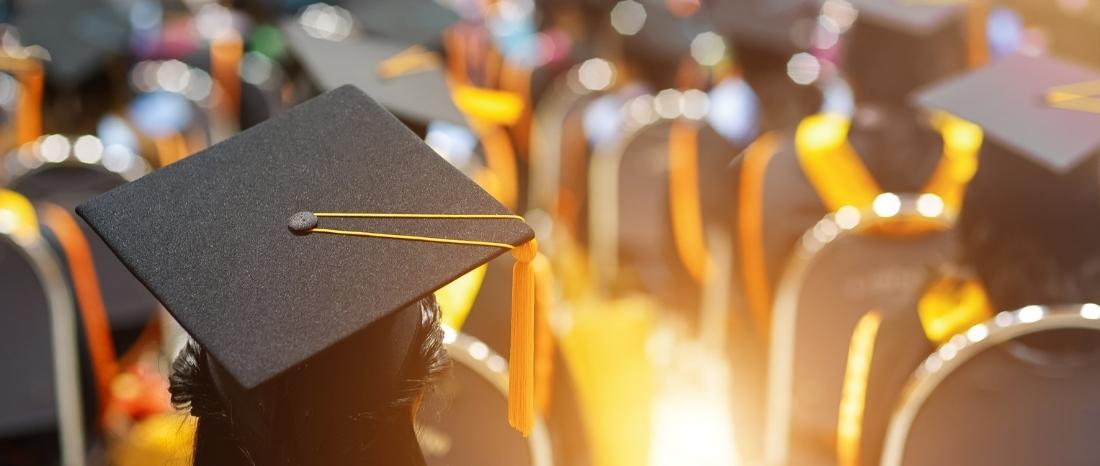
<point x="208" y="235"/>
<point x="900" y="348"/>
<point x="854" y="275"/>
<point x="27" y="394"/>
<point x="1012" y="406"/>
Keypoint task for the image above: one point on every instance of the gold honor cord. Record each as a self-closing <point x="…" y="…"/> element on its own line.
<point x="312" y="226"/>
<point x="521" y="361"/>
<point x="415" y="59"/>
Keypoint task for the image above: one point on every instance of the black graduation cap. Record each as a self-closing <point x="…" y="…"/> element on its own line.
<point x="1036" y="189"/>
<point x="662" y="42"/>
<point x="1040" y="108"/>
<point x="80" y="35"/>
<point x="411" y="21"/>
<point x="898" y="46"/>
<point x="418" y="94"/>
<point x="234" y="242"/>
<point x="915" y="17"/>
<point x="763" y="24"/>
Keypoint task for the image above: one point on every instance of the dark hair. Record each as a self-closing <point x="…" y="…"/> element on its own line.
<point x="1030" y="235"/>
<point x="320" y="412"/>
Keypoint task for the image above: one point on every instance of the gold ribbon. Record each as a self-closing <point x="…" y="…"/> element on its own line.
<point x="1082" y="97"/>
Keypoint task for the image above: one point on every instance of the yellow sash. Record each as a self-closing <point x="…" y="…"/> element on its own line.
<point x="840" y="179"/>
<point x="952" y="306"/>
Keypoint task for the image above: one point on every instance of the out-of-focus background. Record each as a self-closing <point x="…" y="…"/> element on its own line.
<point x="765" y="244"/>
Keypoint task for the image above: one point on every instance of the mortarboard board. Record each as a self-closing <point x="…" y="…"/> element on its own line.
<point x="225" y="238"/>
<point x="410" y="21"/>
<point x="1036" y="107"/>
<point x="80" y="35"/>
<point x="418" y="96"/>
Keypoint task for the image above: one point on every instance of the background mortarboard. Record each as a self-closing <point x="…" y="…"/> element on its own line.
<point x="762" y="24"/>
<point x="410" y="21"/>
<point x="1008" y="99"/>
<point x="897" y="46"/>
<point x="913" y="17"/>
<point x="80" y="35"/>
<point x="208" y="235"/>
<point x="416" y="97"/>
<point x="662" y="42"/>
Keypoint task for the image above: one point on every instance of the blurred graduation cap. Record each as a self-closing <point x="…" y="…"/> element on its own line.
<point x="409" y="21"/>
<point x="1037" y="181"/>
<point x="763" y="24"/>
<point x="234" y="242"/>
<point x="418" y="94"/>
<point x="898" y="46"/>
<point x="915" y="17"/>
<point x="1041" y="109"/>
<point x="80" y="35"/>
<point x="662" y="41"/>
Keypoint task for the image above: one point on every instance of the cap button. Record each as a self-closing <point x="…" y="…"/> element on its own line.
<point x="302" y="222"/>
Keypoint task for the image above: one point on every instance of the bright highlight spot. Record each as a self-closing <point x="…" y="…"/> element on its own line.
<point x="668" y="103"/>
<point x="55" y="148"/>
<point x="628" y="17"/>
<point x="1090" y="311"/>
<point x="847" y="217"/>
<point x="596" y="74"/>
<point x="886" y="205"/>
<point x="803" y="68"/>
<point x="708" y="48"/>
<point x="930" y="205"/>
<point x="88" y="149"/>
<point x="1030" y="314"/>
<point x="977" y="333"/>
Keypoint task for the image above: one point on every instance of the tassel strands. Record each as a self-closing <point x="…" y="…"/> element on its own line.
<point x="521" y="374"/>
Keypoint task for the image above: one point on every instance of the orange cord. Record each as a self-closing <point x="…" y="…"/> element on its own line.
<point x="754" y="267"/>
<point x="684" y="204"/>
<point x="85" y="282"/>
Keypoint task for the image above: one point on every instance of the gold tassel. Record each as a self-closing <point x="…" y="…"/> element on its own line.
<point x="521" y="359"/>
<point x="544" y="336"/>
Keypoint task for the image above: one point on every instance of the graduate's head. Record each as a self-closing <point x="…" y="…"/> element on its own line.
<point x="896" y="47"/>
<point x="352" y="404"/>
